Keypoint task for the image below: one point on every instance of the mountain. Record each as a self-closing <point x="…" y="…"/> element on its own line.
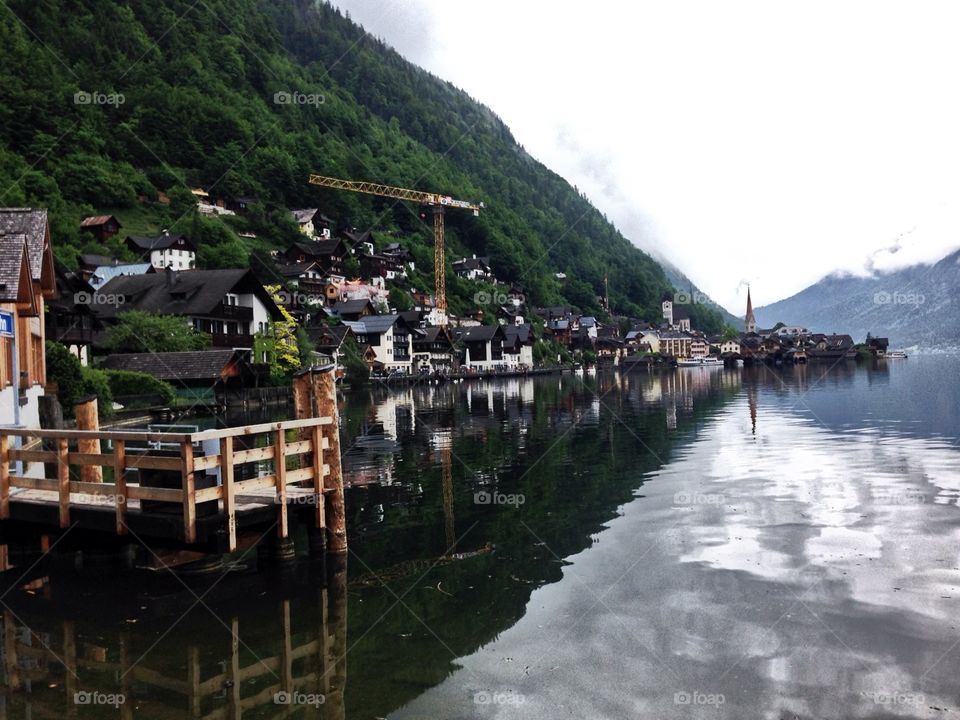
<point x="686" y="289"/>
<point x="113" y="107"/>
<point x="916" y="306"/>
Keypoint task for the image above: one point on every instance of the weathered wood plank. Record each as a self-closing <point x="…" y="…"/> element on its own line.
<point x="83" y="458"/>
<point x="318" y="441"/>
<point x="130" y="436"/>
<point x="32" y="455"/>
<point x="259" y="429"/>
<point x="206" y="462"/>
<point x="258" y="483"/>
<point x="63" y="480"/>
<point x="280" y="473"/>
<point x="18" y="481"/>
<point x="253" y="455"/>
<point x="4" y="477"/>
<point x="156" y="462"/>
<point x="189" y="494"/>
<point x="120" y="483"/>
<point x="208" y="494"/>
<point x="299" y="447"/>
<point x="137" y="492"/>
<point x="229" y="497"/>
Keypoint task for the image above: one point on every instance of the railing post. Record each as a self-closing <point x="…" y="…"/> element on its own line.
<point x="63" y="480"/>
<point x="280" y="477"/>
<point x="325" y="394"/>
<point x="86" y="412"/>
<point x="189" y="493"/>
<point x="316" y="439"/>
<point x="4" y="476"/>
<point x="120" y="484"/>
<point x="226" y="482"/>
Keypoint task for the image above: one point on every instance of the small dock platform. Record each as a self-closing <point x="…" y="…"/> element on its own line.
<point x="198" y="489"/>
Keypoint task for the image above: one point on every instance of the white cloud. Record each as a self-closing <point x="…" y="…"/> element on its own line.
<point x="753" y="140"/>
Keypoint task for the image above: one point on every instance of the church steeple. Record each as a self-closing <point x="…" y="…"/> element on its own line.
<point x="749" y="321"/>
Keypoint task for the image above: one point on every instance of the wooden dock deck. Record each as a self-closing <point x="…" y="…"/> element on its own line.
<point x="192" y="488"/>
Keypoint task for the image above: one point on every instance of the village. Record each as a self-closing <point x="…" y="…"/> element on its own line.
<point x="329" y="291"/>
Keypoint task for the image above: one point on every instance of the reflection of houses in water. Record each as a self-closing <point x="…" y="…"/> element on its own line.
<point x="677" y="391"/>
<point x="240" y="667"/>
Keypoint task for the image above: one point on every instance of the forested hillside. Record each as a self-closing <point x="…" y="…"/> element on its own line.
<point x="105" y="105"/>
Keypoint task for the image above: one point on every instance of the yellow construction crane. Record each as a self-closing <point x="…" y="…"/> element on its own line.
<point x="437" y="202"/>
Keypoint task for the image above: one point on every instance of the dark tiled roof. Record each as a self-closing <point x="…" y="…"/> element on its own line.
<point x="472" y="263"/>
<point x="305" y="215"/>
<point x="182" y="366"/>
<point x="12" y="248"/>
<point x="32" y="223"/>
<point x="373" y="324"/>
<point x="480" y="333"/>
<point x="98" y="220"/>
<point x="160" y="242"/>
<point x="351" y="307"/>
<point x="521" y="332"/>
<point x="188" y="292"/>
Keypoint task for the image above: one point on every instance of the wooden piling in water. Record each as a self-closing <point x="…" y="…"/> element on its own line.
<point x="87" y="414"/>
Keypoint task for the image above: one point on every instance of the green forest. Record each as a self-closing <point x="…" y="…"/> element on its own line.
<point x="106" y="107"/>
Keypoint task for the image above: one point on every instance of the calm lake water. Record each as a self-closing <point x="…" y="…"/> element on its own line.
<point x="702" y="543"/>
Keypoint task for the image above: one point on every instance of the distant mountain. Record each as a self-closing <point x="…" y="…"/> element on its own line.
<point x="685" y="285"/>
<point x="916" y="306"/>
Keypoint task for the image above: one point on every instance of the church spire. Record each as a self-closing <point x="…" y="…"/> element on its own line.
<point x="749" y="321"/>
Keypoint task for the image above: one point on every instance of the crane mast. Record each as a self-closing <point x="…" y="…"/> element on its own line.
<point x="438" y="204"/>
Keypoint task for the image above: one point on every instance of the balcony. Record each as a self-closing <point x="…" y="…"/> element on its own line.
<point x="233" y="312"/>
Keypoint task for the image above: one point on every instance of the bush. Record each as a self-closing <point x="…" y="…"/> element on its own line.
<point x="130" y="384"/>
<point x="75" y="381"/>
<point x="95" y="383"/>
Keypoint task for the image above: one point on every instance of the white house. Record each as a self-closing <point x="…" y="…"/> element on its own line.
<point x="730" y="346"/>
<point x="165" y="251"/>
<point x="483" y="346"/>
<point x="388" y="338"/>
<point x="27" y="279"/>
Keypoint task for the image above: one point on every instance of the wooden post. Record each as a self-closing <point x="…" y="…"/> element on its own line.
<point x="120" y="484"/>
<point x="4" y="476"/>
<point x="189" y="493"/>
<point x="280" y="476"/>
<point x="316" y="438"/>
<point x="63" y="480"/>
<point x="325" y="395"/>
<point x="229" y="498"/>
<point x="86" y="412"/>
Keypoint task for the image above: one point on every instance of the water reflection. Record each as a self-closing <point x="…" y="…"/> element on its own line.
<point x="771" y="537"/>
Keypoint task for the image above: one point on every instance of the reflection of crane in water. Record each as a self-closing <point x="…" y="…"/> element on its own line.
<point x="442" y="442"/>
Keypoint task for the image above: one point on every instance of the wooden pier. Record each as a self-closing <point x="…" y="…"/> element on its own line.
<point x="198" y="489"/>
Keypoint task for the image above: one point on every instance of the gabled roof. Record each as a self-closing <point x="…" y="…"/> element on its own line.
<point x="98" y="220"/>
<point x="472" y="263"/>
<point x="352" y="307"/>
<point x="373" y="324"/>
<point x="305" y="215"/>
<point x="320" y="248"/>
<point x="106" y="273"/>
<point x="480" y="333"/>
<point x="147" y="243"/>
<point x="177" y="366"/>
<point x="187" y="292"/>
<point x="16" y="285"/>
<point x="521" y="332"/>
<point x="32" y="223"/>
<point x="331" y="336"/>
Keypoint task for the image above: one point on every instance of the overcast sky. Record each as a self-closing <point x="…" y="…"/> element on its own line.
<point x="759" y="142"/>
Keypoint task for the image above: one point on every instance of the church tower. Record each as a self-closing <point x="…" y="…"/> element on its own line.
<point x="749" y="321"/>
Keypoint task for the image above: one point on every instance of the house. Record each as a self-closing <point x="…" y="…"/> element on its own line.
<point x="483" y="346"/>
<point x="358" y="242"/>
<point x="230" y="305"/>
<point x="878" y="345"/>
<point x="387" y="337"/>
<point x="328" y="254"/>
<point x="353" y="309"/>
<point x="330" y="339"/>
<point x="399" y="254"/>
<point x="102" y="227"/>
<point x="474" y="268"/>
<point x="676" y="316"/>
<point x="831" y="347"/>
<point x="27" y="282"/>
<point x="105" y="273"/>
<point x="518" y="346"/>
<point x="432" y="349"/>
<point x="559" y="330"/>
<point x="313" y="223"/>
<point x="69" y="319"/>
<point x="676" y="343"/>
<point x="165" y="250"/>
<point x="222" y="369"/>
<point x="305" y="280"/>
<point x="241" y="204"/>
<point x="382" y="266"/>
<point x="729" y="347"/>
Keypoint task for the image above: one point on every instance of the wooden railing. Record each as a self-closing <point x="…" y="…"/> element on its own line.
<point x="301" y="452"/>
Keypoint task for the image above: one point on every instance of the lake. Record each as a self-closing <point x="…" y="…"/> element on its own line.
<point x="705" y="542"/>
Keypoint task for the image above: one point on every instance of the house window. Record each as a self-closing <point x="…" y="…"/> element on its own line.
<point x="231" y="299"/>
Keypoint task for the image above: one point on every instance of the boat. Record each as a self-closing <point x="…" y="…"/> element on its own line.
<point x="896" y="355"/>
<point x="700" y="362"/>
